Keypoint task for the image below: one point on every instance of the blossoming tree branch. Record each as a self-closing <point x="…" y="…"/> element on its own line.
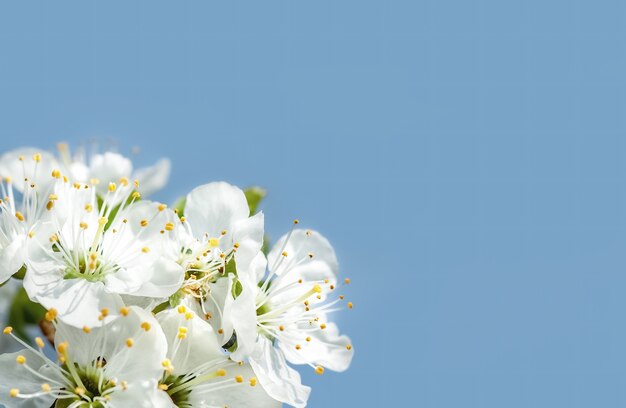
<point x="143" y="305"/>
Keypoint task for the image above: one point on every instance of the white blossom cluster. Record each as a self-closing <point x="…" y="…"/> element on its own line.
<point x="149" y="306"/>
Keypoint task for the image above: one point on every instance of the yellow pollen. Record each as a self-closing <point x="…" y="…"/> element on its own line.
<point x="50" y="205"/>
<point x="163" y="387"/>
<point x="166" y="363"/>
<point x="136" y="195"/>
<point x="349" y="347"/>
<point x="239" y="378"/>
<point x="7" y="330"/>
<point x="298" y="347"/>
<point x="104" y="312"/>
<point x="310" y="254"/>
<point x="183" y="219"/>
<point x="308" y="339"/>
<point x="62" y="348"/>
<point x="162" y="207"/>
<point x="221" y="372"/>
<point x="222" y="255"/>
<point x="214" y="242"/>
<point x="37" y="157"/>
<point x="350" y="305"/>
<point x="124" y="311"/>
<point x="322" y="326"/>
<point x="21" y="157"/>
<point x="31" y="234"/>
<point x="296" y="221"/>
<point x="236" y="245"/>
<point x="281" y="328"/>
<point x="112" y="187"/>
<point x="45" y="387"/>
<point x="220" y="331"/>
<point x="19" y="216"/>
<point x="317" y="289"/>
<point x="252" y="381"/>
<point x="20" y="359"/>
<point x="79" y="391"/>
<point x="88" y="208"/>
<point x="124" y="181"/>
<point x="94" y="181"/>
<point x="146" y="326"/>
<point x="39" y="342"/>
<point x="51" y="314"/>
<point x="188" y="315"/>
<point x="319" y="370"/>
<point x="143" y="223"/>
<point x="224" y="232"/>
<point x="14" y="392"/>
<point x="129" y="342"/>
<point x="341" y="297"/>
<point x="347" y="281"/>
<point x="83" y="225"/>
<point x="56" y="174"/>
<point x="169" y="226"/>
<point x="86" y="329"/>
<point x="284" y="253"/>
<point x="103" y="221"/>
<point x="182" y="309"/>
<point x="145" y="250"/>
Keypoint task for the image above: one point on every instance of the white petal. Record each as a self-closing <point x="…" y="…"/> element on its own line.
<point x="300" y="244"/>
<point x="200" y="346"/>
<point x="77" y="301"/>
<point x="218" y="304"/>
<point x="109" y="168"/>
<point x="277" y="378"/>
<point x="239" y="396"/>
<point x="38" y="173"/>
<point x="13" y="375"/>
<point x="248" y="233"/>
<point x="327" y="348"/>
<point x="244" y="319"/>
<point x="12" y="258"/>
<point x="214" y="207"/>
<point x="153" y="178"/>
<point x="141" y="394"/>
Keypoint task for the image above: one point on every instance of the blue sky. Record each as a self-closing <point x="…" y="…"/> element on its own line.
<point x="465" y="158"/>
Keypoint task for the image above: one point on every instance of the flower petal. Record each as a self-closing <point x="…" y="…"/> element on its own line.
<point x="278" y="379"/>
<point x="153" y="178"/>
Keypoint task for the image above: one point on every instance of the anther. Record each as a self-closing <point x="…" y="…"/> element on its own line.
<point x="39" y="342"/>
<point x="239" y="378"/>
<point x="19" y="216"/>
<point x="319" y="370"/>
<point x="20" y="359"/>
<point x="14" y="392"/>
<point x="112" y="187"/>
<point x="124" y="311"/>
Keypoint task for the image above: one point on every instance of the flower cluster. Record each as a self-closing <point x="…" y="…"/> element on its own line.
<point x="150" y="306"/>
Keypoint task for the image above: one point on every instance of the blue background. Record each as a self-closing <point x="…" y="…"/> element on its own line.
<point x="466" y="158"/>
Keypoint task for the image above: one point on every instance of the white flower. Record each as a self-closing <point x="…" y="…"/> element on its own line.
<point x="198" y="374"/>
<point x="215" y="237"/>
<point x="283" y="314"/>
<point x="109" y="166"/>
<point x="22" y="209"/>
<point x="79" y="167"/>
<point x="116" y="365"/>
<point x="91" y="256"/>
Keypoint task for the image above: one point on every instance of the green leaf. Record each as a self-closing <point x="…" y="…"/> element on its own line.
<point x="24" y="312"/>
<point x="179" y="205"/>
<point x="254" y="195"/>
